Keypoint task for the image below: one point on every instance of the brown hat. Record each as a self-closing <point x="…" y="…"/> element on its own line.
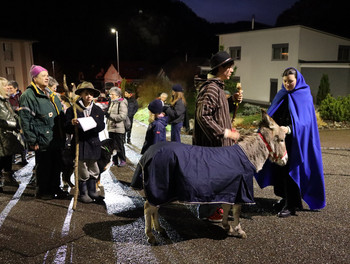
<point x="87" y="86"/>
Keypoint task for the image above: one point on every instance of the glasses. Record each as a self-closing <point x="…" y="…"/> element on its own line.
<point x="113" y="94"/>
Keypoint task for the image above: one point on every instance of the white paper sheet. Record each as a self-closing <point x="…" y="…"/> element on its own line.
<point x="87" y="123"/>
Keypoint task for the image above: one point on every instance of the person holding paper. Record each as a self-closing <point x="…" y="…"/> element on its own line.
<point x="90" y="122"/>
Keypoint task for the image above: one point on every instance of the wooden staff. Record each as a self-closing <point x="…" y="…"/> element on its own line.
<point x="239" y="90"/>
<point x="71" y="100"/>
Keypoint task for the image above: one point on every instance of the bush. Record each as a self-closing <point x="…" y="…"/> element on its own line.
<point x="335" y="109"/>
<point x="323" y="89"/>
<point x="249" y="109"/>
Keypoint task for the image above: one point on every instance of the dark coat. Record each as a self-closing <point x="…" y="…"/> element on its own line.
<point x="133" y="106"/>
<point x="192" y="174"/>
<point x="156" y="132"/>
<point x="176" y="112"/>
<point x="89" y="141"/>
<point x="42" y="118"/>
<point x="212" y="116"/>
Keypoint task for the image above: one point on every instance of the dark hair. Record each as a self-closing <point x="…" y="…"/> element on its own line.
<point x="225" y="65"/>
<point x="13" y="83"/>
<point x="290" y="71"/>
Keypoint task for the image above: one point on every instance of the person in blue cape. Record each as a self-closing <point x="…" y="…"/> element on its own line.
<point x="302" y="178"/>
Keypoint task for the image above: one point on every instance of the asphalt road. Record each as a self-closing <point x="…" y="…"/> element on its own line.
<point x="36" y="231"/>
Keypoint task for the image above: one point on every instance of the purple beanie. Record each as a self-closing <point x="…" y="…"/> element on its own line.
<point x="156" y="106"/>
<point x="35" y="70"/>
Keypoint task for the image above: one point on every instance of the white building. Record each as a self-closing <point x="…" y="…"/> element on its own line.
<point x="262" y="55"/>
<point x="16" y="58"/>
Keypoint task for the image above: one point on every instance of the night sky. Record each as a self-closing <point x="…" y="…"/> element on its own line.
<point x="265" y="11"/>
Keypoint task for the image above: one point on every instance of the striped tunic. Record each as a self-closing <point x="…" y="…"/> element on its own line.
<point x="212" y="115"/>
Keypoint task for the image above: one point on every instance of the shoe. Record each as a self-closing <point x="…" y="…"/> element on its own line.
<point x="122" y="163"/>
<point x="61" y="194"/>
<point x="9" y="180"/>
<point x="216" y="217"/>
<point x="285" y="212"/>
<point x="45" y="197"/>
<point x="279" y="205"/>
<point x="128" y="141"/>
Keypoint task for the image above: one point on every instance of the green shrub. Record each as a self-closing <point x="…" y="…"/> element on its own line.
<point x="323" y="89"/>
<point x="249" y="109"/>
<point x="335" y="109"/>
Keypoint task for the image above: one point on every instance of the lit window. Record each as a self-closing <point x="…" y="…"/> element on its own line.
<point x="280" y="51"/>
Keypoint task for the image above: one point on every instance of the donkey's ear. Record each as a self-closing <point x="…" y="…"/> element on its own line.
<point x="267" y="119"/>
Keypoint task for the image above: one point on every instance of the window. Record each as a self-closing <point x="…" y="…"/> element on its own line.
<point x="235" y="53"/>
<point x="344" y="53"/>
<point x="10" y="73"/>
<point x="8" y="51"/>
<point x="280" y="51"/>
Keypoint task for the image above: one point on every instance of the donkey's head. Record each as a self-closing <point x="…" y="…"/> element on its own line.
<point x="274" y="139"/>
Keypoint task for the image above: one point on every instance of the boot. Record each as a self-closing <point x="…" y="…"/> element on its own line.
<point x="9" y="180"/>
<point x="83" y="192"/>
<point x="91" y="186"/>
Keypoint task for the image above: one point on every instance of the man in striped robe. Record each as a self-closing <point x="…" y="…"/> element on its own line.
<point x="212" y="118"/>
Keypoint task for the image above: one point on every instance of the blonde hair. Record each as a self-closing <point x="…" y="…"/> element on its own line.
<point x="178" y="96"/>
<point x="3" y="83"/>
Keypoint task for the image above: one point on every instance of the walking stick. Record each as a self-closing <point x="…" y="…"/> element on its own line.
<point x="239" y="90"/>
<point x="70" y="97"/>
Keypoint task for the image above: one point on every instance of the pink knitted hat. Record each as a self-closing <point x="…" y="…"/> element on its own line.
<point x="35" y="70"/>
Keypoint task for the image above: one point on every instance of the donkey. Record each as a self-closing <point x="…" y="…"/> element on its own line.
<point x="221" y="175"/>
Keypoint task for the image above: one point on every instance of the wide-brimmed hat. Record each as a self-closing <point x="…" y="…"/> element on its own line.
<point x="220" y="58"/>
<point x="87" y="86"/>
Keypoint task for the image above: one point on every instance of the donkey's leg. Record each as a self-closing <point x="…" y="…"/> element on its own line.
<point x="225" y="224"/>
<point x="155" y="221"/>
<point x="238" y="231"/>
<point x="148" y="211"/>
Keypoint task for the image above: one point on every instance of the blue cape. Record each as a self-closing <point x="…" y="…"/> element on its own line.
<point x="306" y="167"/>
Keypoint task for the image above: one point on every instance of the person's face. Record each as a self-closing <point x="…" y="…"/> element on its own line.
<point x="225" y="72"/>
<point x="87" y="96"/>
<point x="113" y="95"/>
<point x="127" y="95"/>
<point x="289" y="82"/>
<point x="163" y="98"/>
<point x="54" y="87"/>
<point x="42" y="79"/>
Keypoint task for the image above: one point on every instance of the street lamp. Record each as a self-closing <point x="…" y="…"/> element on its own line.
<point x="113" y="30"/>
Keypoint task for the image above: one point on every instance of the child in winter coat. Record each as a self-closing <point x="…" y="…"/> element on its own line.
<point x="89" y="142"/>
<point x="176" y="112"/>
<point x="156" y="132"/>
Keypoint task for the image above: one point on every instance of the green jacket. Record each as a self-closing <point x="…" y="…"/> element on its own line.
<point x="42" y="118"/>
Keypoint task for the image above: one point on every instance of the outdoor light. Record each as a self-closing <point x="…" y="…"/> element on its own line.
<point x="115" y="31"/>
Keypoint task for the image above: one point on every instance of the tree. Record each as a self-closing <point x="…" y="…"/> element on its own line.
<point x="323" y="89"/>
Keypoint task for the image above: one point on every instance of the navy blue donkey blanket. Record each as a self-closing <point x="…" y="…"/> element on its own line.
<point x="174" y="171"/>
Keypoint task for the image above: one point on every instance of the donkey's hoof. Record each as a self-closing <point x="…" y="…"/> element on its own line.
<point x="160" y="230"/>
<point x="152" y="240"/>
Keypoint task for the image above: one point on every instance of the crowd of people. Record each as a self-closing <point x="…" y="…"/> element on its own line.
<point x="38" y="120"/>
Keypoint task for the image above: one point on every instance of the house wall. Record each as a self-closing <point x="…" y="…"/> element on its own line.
<point x="256" y="67"/>
<point x="22" y="61"/>
<point x="339" y="79"/>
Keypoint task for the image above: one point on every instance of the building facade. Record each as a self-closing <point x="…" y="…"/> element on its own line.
<point x="262" y="55"/>
<point x="16" y="58"/>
